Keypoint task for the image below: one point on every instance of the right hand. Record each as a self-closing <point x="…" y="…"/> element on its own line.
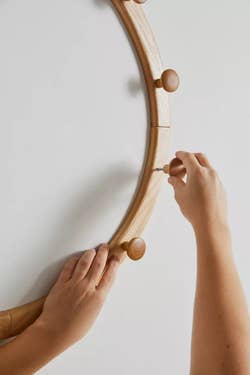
<point x="201" y="198"/>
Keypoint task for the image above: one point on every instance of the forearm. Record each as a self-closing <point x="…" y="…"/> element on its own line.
<point x="30" y="351"/>
<point x="69" y="312"/>
<point x="221" y="337"/>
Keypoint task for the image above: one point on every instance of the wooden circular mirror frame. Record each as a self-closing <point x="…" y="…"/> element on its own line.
<point x="126" y="239"/>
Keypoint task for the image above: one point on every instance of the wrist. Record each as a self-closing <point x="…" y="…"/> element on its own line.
<point x="45" y="331"/>
<point x="56" y="335"/>
<point x="29" y="351"/>
<point x="214" y="240"/>
<point x="46" y="345"/>
<point x="211" y="226"/>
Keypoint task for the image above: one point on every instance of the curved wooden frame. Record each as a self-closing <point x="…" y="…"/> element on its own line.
<point x="14" y="321"/>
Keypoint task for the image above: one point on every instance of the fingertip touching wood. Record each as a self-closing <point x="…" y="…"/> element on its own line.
<point x="14" y="321"/>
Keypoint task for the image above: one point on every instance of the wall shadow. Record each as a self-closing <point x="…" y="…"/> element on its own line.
<point x="84" y="210"/>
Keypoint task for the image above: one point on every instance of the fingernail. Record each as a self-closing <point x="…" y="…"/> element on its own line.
<point x="88" y="251"/>
<point x="104" y="246"/>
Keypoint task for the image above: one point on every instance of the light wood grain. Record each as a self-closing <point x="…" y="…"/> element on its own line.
<point x="145" y="198"/>
<point x="148" y="53"/>
<point x="14" y="321"/>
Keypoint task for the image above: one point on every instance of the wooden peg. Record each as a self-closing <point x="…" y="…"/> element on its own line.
<point x="169" y="80"/>
<point x="175" y="168"/>
<point x="135" y="248"/>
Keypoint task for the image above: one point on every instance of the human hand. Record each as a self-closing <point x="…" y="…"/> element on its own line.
<point x="76" y="299"/>
<point x="201" y="198"/>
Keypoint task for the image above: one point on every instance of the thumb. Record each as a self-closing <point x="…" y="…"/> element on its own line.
<point x="176" y="182"/>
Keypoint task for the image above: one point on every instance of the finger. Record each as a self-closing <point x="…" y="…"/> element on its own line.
<point x="188" y="159"/>
<point x="203" y="160"/>
<point x="98" y="265"/>
<point x="109" y="275"/>
<point x="83" y="265"/>
<point x="68" y="269"/>
<point x="176" y="182"/>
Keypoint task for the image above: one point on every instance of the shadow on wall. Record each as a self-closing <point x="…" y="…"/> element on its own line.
<point x="84" y="212"/>
<point x="87" y="208"/>
<point x="102" y="3"/>
<point x="135" y="85"/>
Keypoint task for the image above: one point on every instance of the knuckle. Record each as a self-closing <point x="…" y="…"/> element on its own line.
<point x="84" y="263"/>
<point x="182" y="154"/>
<point x="213" y="173"/>
<point x="85" y="288"/>
<point x="89" y="290"/>
<point x="89" y="282"/>
<point x="69" y="262"/>
<point x="89" y="253"/>
<point x="72" y="289"/>
<point x="199" y="174"/>
<point x="201" y="154"/>
<point x="67" y="266"/>
<point x="98" y="264"/>
<point x="187" y="155"/>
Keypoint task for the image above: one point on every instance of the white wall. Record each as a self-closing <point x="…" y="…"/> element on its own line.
<point x="72" y="143"/>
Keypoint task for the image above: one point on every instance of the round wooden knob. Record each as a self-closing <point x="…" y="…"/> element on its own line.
<point x="135" y="248"/>
<point x="169" y="80"/>
<point x="175" y="168"/>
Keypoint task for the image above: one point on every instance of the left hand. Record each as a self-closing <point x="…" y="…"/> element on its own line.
<point x="76" y="299"/>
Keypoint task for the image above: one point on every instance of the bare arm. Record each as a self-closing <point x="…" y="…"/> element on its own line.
<point x="221" y="328"/>
<point x="69" y="312"/>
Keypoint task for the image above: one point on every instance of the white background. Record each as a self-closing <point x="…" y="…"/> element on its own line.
<point x="72" y="140"/>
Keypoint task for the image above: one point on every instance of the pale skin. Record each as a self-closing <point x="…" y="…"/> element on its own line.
<point x="69" y="312"/>
<point x="221" y="328"/>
